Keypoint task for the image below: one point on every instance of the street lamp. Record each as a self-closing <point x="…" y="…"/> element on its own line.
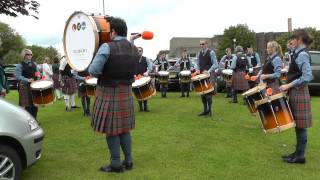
<point x="234" y="43"/>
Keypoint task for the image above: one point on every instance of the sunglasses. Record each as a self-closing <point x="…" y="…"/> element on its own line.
<point x="28" y="54"/>
<point x="201" y="44"/>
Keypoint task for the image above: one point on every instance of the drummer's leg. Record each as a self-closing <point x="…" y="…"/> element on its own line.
<point x="205" y="105"/>
<point x="209" y="102"/>
<point x="182" y="87"/>
<point x="88" y="106"/>
<point x="140" y="106"/>
<point x="145" y="104"/>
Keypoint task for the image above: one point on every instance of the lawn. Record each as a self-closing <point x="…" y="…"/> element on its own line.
<point x="172" y="142"/>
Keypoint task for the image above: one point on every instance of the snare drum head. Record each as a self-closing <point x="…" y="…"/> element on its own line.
<point x="254" y="90"/>
<point x="185" y="73"/>
<point x="200" y="76"/>
<point x="140" y="82"/>
<point x="80" y="40"/>
<point x="42" y="84"/>
<point x="284" y="70"/>
<point x="227" y="71"/>
<point x="92" y="81"/>
<point x="163" y="73"/>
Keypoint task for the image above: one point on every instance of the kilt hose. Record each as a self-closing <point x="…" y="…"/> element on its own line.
<point x="239" y="83"/>
<point x="56" y="82"/>
<point x="113" y="112"/>
<point x="25" y="97"/>
<point x="69" y="85"/>
<point x="299" y="101"/>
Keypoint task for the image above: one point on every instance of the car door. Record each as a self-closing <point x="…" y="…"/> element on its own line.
<point x="315" y="66"/>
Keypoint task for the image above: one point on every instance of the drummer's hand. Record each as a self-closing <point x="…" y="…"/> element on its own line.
<point x="263" y="76"/>
<point x="87" y="77"/>
<point x="253" y="78"/>
<point x="284" y="87"/>
<point x="145" y="74"/>
<point x="30" y="80"/>
<point x="206" y="72"/>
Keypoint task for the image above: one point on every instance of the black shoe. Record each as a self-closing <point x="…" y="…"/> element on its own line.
<point x="109" y="168"/>
<point x="209" y="114"/>
<point x="68" y="109"/>
<point x="295" y="160"/>
<point x="204" y="113"/>
<point x="183" y="95"/>
<point x="73" y="107"/>
<point x="146" y="110"/>
<point x="289" y="155"/>
<point x="140" y="110"/>
<point x="127" y="165"/>
<point x="233" y="101"/>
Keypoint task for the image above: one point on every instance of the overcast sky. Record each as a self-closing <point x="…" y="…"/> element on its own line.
<point x="167" y="19"/>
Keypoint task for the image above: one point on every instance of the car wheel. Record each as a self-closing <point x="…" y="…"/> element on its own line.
<point x="10" y="163"/>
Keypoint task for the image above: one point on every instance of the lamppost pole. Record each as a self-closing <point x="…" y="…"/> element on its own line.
<point x="104" y="12"/>
<point x="234" y="43"/>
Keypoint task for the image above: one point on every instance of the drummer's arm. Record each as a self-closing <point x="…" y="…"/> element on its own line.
<point x="178" y="62"/>
<point x="19" y="75"/>
<point x="99" y="60"/>
<point x="234" y="62"/>
<point x="222" y="62"/>
<point x="258" y="60"/>
<point x="213" y="61"/>
<point x="149" y="64"/>
<point x="277" y="64"/>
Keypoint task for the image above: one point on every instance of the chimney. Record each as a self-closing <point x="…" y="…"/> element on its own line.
<point x="289" y="25"/>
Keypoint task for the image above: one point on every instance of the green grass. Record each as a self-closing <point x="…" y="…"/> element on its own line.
<point x="172" y="142"/>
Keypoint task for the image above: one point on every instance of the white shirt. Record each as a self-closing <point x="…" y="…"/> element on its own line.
<point x="63" y="64"/>
<point x="47" y="71"/>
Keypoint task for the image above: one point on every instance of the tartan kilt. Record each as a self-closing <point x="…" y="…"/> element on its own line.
<point x="239" y="83"/>
<point x="299" y="101"/>
<point x="56" y="82"/>
<point x="113" y="111"/>
<point x="69" y="86"/>
<point x="25" y="97"/>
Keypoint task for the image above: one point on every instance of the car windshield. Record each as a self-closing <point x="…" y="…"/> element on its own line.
<point x="315" y="58"/>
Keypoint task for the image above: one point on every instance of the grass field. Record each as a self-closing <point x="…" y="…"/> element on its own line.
<point x="172" y="142"/>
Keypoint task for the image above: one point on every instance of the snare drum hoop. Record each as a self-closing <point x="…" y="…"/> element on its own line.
<point x="136" y="85"/>
<point x="227" y="72"/>
<point x="91" y="81"/>
<point x="185" y="73"/>
<point x="41" y="88"/>
<point x="96" y="37"/>
<point x="200" y="77"/>
<point x="251" y="91"/>
<point x="163" y="73"/>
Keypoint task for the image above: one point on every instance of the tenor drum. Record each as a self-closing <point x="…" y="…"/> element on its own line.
<point x="202" y="84"/>
<point x="143" y="89"/>
<point x="185" y="76"/>
<point x="91" y="85"/>
<point x="227" y="75"/>
<point x="42" y="92"/>
<point x="83" y="34"/>
<point x="163" y="77"/>
<point x="275" y="113"/>
<point x="254" y="94"/>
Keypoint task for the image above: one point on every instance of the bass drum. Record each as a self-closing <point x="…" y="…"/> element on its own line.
<point x="83" y="34"/>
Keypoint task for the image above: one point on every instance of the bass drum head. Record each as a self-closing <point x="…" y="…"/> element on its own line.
<point x="80" y="40"/>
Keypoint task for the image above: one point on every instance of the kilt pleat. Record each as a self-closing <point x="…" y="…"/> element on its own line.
<point x="113" y="112"/>
<point x="239" y="83"/>
<point x="299" y="101"/>
<point x="25" y="97"/>
<point x="69" y="86"/>
<point x="56" y="82"/>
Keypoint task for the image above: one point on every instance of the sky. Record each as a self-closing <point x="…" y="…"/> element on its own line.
<point x="167" y="18"/>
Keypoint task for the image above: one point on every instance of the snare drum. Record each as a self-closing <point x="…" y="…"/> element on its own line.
<point x="163" y="77"/>
<point x="83" y="34"/>
<point x="227" y="75"/>
<point x="42" y="92"/>
<point x="283" y="77"/>
<point x="91" y="85"/>
<point x="185" y="76"/>
<point x="254" y="94"/>
<point x="275" y="114"/>
<point x="143" y="89"/>
<point x="202" y="84"/>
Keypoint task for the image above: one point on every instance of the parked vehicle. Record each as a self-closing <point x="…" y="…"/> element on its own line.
<point x="10" y="71"/>
<point x="20" y="140"/>
<point x="315" y="66"/>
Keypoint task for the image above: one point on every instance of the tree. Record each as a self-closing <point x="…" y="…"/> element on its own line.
<point x="39" y="53"/>
<point x="11" y="41"/>
<point x="243" y="35"/>
<point x="282" y="40"/>
<point x="15" y="7"/>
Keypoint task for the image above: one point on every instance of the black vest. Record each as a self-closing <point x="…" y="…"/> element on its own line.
<point x="165" y="65"/>
<point x="55" y="68"/>
<point x="253" y="60"/>
<point x="184" y="64"/>
<point x="205" y="61"/>
<point x="84" y="73"/>
<point x="242" y="62"/>
<point x="294" y="72"/>
<point x="121" y="65"/>
<point x="268" y="68"/>
<point x="228" y="61"/>
<point x="66" y="71"/>
<point x="142" y="65"/>
<point x="29" y="69"/>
